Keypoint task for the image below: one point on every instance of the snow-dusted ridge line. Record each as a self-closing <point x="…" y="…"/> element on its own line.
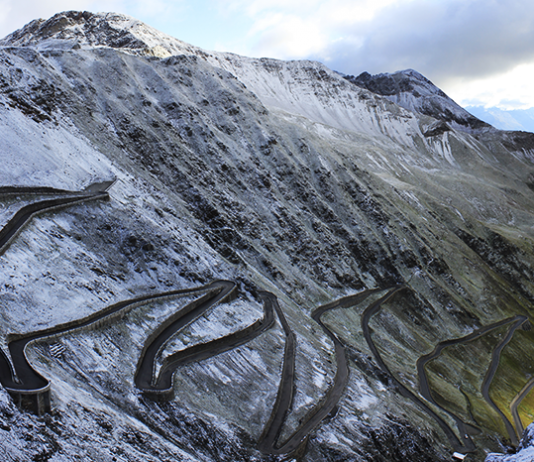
<point x="413" y="91"/>
<point x="271" y="80"/>
<point x="77" y="29"/>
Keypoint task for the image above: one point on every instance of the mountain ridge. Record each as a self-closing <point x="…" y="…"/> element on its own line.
<point x="415" y="92"/>
<point x="131" y="36"/>
<point x="89" y="29"/>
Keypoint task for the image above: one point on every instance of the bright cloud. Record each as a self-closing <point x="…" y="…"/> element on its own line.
<point x="297" y="28"/>
<point x="510" y="90"/>
<point x="287" y="37"/>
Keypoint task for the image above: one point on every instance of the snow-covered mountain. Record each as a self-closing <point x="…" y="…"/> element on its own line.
<point x="380" y="243"/>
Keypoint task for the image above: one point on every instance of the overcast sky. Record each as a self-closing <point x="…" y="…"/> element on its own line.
<point x="477" y="51"/>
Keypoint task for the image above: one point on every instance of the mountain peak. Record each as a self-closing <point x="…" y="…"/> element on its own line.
<point x="82" y="28"/>
<point x="413" y="91"/>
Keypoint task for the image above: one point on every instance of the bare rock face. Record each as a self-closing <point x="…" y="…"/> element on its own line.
<point x="211" y="257"/>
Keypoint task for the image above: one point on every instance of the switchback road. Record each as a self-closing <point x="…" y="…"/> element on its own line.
<point x="463" y="428"/>
<point x="515" y="404"/>
<point x="467" y="444"/>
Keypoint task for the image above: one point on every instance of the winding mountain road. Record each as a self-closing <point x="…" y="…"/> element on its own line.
<point x="284" y="400"/>
<point x="286" y="387"/>
<point x="517" y="322"/>
<point x="162" y="385"/>
<point x="27" y="378"/>
<point x="19" y="377"/>
<point x="34" y="190"/>
<point x="100" y="186"/>
<point x="97" y="191"/>
<point x="515" y="404"/>
<point x="424" y="386"/>
<point x="467" y="445"/>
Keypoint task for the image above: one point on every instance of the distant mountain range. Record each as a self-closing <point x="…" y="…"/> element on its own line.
<point x="517" y="119"/>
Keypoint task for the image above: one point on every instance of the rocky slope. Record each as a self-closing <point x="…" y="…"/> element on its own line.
<point x="525" y="451"/>
<point x="278" y="176"/>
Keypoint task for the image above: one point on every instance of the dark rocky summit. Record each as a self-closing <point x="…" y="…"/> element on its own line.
<point x="415" y="92"/>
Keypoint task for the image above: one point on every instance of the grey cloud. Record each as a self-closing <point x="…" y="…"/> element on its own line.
<point x="443" y="40"/>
